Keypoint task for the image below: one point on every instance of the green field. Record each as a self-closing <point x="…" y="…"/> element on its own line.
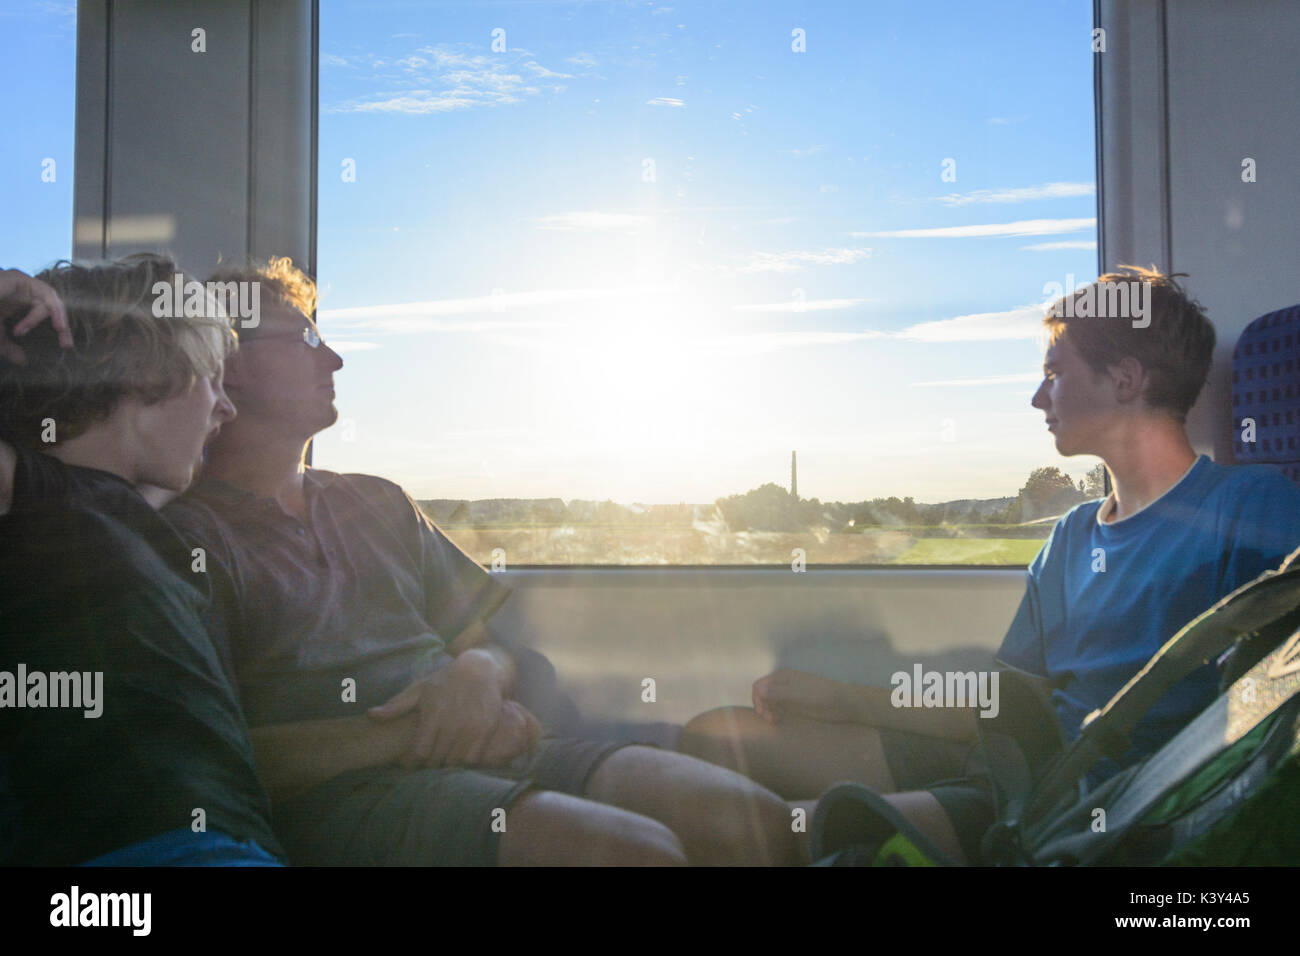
<point x="632" y="545"/>
<point x="1015" y="551"/>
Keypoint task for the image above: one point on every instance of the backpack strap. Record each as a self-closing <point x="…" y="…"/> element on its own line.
<point x="1105" y="732"/>
<point x="851" y="815"/>
<point x="1227" y="722"/>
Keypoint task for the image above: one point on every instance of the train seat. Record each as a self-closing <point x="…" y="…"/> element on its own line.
<point x="1266" y="392"/>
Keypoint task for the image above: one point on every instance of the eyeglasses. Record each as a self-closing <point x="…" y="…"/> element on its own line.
<point x="309" y="335"/>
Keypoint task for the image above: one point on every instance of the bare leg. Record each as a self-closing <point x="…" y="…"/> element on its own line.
<point x="797" y="758"/>
<point x="922" y="809"/>
<point x="720" y="817"/>
<point x="553" y="829"/>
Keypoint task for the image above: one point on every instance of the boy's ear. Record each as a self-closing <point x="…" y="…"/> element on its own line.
<point x="1130" y="379"/>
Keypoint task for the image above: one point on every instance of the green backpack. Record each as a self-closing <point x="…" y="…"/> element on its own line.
<point x="1224" y="791"/>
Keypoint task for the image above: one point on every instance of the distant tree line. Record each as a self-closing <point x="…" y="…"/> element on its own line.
<point x="1046" y="493"/>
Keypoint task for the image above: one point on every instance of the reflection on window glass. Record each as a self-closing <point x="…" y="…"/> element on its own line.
<point x="706" y="283"/>
<point x="38" y="47"/>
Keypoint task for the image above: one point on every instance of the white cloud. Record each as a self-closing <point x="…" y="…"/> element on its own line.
<point x="343" y="347"/>
<point x="1020" y="323"/>
<point x="571" y="221"/>
<point x="475" y="315"/>
<point x="811" y="305"/>
<point x="1024" y="227"/>
<point x="544" y="73"/>
<point x="810" y="151"/>
<point x="1068" y="244"/>
<point x="665" y="101"/>
<point x="1023" y="323"/>
<point x="756" y="342"/>
<point x="495" y="82"/>
<point x="428" y="315"/>
<point x="446" y="79"/>
<point x="428" y="101"/>
<point x="795" y="260"/>
<point x="57" y="14"/>
<point x="1021" y="194"/>
<point x="990" y="380"/>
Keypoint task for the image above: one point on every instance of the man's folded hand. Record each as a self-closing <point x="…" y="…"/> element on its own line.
<point x="459" y="707"/>
<point x="464" y="720"/>
<point x="516" y="733"/>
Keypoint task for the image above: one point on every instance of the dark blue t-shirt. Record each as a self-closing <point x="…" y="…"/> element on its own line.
<point x="94" y="581"/>
<point x="1101" y="598"/>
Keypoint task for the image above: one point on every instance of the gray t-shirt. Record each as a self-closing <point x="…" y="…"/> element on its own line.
<point x="367" y="589"/>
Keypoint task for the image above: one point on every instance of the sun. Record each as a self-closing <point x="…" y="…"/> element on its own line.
<point x="644" y="374"/>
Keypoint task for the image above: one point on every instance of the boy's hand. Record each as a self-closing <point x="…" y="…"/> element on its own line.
<point x="791" y="693"/>
<point x="17" y="289"/>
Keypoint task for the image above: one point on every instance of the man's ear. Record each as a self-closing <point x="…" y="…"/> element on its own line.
<point x="1130" y="379"/>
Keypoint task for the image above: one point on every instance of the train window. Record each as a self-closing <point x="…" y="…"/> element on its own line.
<point x="37" y="73"/>
<point x="711" y="283"/>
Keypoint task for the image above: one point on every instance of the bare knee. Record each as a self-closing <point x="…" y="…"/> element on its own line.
<point x="720" y="816"/>
<point x="776" y="820"/>
<point x="718" y="735"/>
<point x="749" y="825"/>
<point x="554" y="829"/>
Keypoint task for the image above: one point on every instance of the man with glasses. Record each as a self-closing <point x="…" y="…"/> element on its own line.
<point x="382" y="711"/>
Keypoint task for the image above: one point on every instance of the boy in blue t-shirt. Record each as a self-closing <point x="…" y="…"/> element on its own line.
<point x="1114" y="581"/>
<point x="1104" y="594"/>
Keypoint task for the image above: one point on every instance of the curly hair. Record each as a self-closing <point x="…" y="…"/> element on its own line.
<point x="121" y="349"/>
<point x="277" y="276"/>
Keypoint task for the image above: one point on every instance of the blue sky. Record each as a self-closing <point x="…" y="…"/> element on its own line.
<point x="38" y="43"/>
<point x="644" y="251"/>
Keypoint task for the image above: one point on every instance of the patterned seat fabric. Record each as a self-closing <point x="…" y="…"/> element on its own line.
<point x="1266" y="390"/>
